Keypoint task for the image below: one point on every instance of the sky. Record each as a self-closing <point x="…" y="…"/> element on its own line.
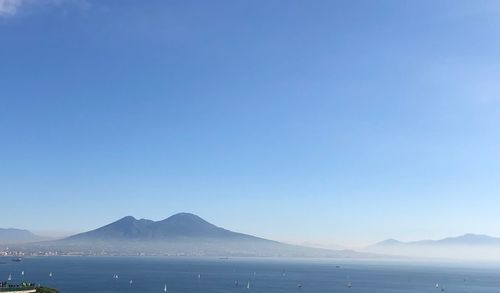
<point x="328" y="122"/>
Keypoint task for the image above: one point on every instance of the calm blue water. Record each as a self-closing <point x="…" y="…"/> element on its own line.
<point x="95" y="274"/>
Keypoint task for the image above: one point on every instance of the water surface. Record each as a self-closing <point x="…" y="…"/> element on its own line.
<point x="150" y="274"/>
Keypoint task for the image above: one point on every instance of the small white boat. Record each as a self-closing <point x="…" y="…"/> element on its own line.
<point x="10" y="277"/>
<point x="349" y="285"/>
<point x="130" y="282"/>
<point x="437" y="285"/>
<point x="22" y="273"/>
<point x="248" y="285"/>
<point x="165" y="288"/>
<point x="50" y="274"/>
<point x="199" y="276"/>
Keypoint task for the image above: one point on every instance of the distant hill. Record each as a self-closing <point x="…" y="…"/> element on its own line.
<point x="467" y="246"/>
<point x="388" y="242"/>
<point x="469" y="239"/>
<point x="180" y="234"/>
<point x="13" y="236"/>
<point x="466" y="239"/>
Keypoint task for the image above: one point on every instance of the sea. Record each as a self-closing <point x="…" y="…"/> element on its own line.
<point x="184" y="274"/>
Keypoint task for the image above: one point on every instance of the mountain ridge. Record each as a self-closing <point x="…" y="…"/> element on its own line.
<point x="464" y="239"/>
<point x="466" y="247"/>
<point x="15" y="236"/>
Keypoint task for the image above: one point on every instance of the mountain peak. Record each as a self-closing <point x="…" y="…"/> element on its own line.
<point x="472" y="235"/>
<point x="187" y="218"/>
<point x="127" y="219"/>
<point x="390" y="241"/>
<point x="185" y="215"/>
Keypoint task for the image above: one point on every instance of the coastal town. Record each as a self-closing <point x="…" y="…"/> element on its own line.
<point x="6" y="252"/>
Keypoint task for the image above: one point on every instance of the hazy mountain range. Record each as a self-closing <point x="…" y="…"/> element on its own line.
<point x="467" y="246"/>
<point x="466" y="239"/>
<point x="180" y="234"/>
<point x="13" y="236"/>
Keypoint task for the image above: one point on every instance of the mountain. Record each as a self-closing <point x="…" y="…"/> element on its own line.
<point x="467" y="246"/>
<point x="389" y="242"/>
<point x="177" y="227"/>
<point x="12" y="236"/>
<point x="180" y="234"/>
<point x="469" y="239"/>
<point x="466" y="239"/>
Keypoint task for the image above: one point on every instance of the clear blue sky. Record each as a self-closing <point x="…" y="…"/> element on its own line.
<point x="322" y="121"/>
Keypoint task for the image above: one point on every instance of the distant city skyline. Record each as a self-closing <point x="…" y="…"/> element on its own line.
<point x="329" y="122"/>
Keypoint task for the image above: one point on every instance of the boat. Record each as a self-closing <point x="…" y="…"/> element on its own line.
<point x="248" y="285"/>
<point x="349" y="285"/>
<point x="17" y="259"/>
<point x="165" y="288"/>
<point x="130" y="282"/>
<point x="22" y="273"/>
<point x="50" y="274"/>
<point x="437" y="285"/>
<point x="199" y="276"/>
<point x="9" y="278"/>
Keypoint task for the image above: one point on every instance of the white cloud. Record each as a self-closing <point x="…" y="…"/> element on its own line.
<point x="12" y="7"/>
<point x="9" y="7"/>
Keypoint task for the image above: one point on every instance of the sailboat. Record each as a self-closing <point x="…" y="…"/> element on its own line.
<point x="349" y="285"/>
<point x="165" y="288"/>
<point x="248" y="285"/>
<point x="437" y="285"/>
<point x="10" y="277"/>
<point x="50" y="274"/>
<point x="22" y="273"/>
<point x="199" y="276"/>
<point x="130" y="282"/>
